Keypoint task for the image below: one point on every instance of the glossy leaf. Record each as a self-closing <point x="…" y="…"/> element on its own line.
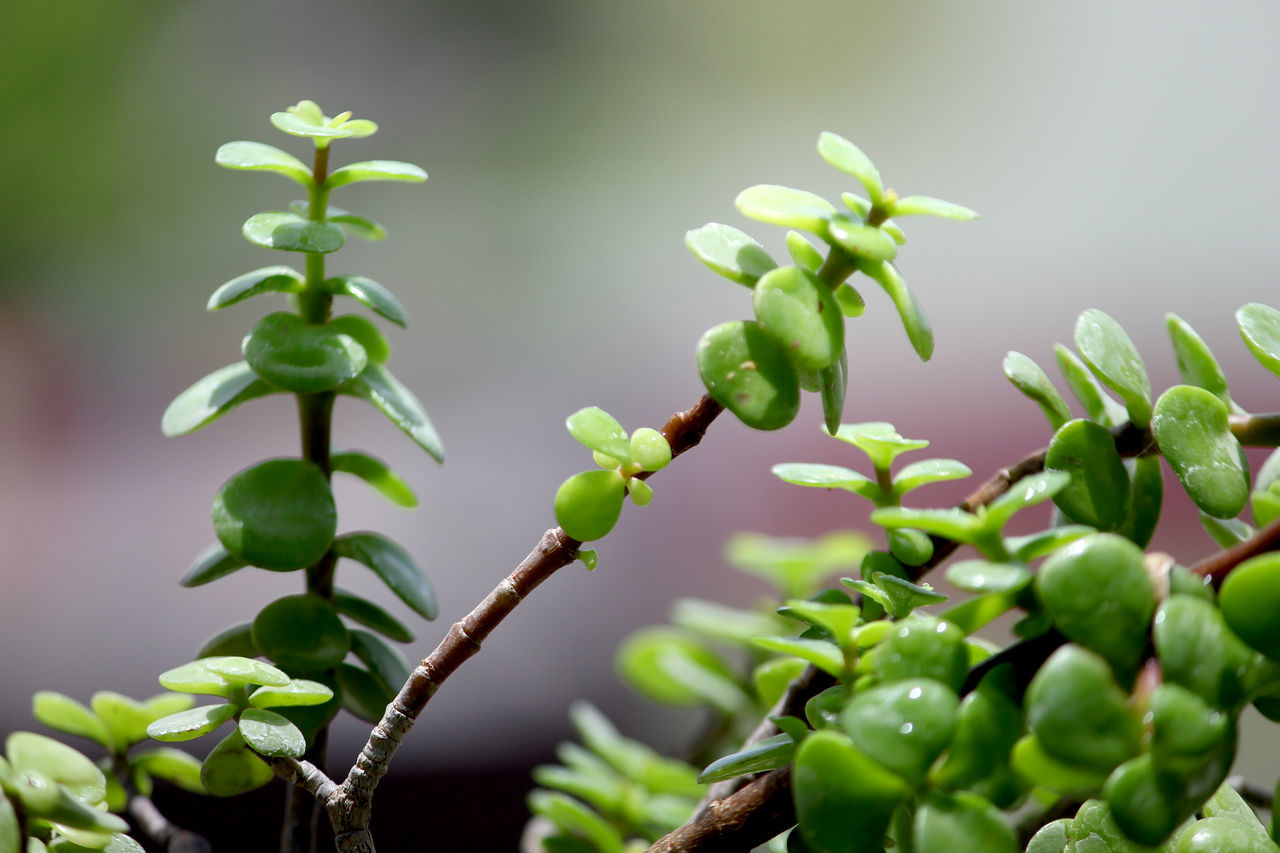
<point x="1045" y="542"/>
<point x="267" y="733"/>
<point x="1196" y="364"/>
<point x="843" y="799"/>
<point x="375" y="170"/>
<point x="902" y="726"/>
<point x="913" y="205"/>
<point x="589" y="504"/>
<point x="232" y="768"/>
<point x="833" y="382"/>
<point x="1098" y="491"/>
<point x="368" y="293"/>
<point x="1050" y="838"/>
<point x="1191" y="428"/>
<point x="235" y="640"/>
<point x="848" y="158"/>
<point x="289" y="232"/>
<point x="393" y="565"/>
<point x="1079" y="714"/>
<point x="257" y="156"/>
<point x="861" y="240"/>
<point x="768" y="754"/>
<point x="301" y="633"/>
<point x="1250" y="603"/>
<point x="1260" y="327"/>
<point x="1099" y="406"/>
<point x="195" y="677"/>
<point x="821" y="476"/>
<point x="961" y="823"/>
<point x="1027" y="492"/>
<point x="1113" y="358"/>
<point x="210" y="564"/>
<point x="798" y="311"/>
<point x="729" y="252"/>
<point x="837" y="618"/>
<point x="954" y="524"/>
<point x="370" y="615"/>
<point x="917" y="326"/>
<point x="879" y="441"/>
<point x="305" y="119"/>
<point x="212" y="397"/>
<point x="640" y="661"/>
<point x="67" y="715"/>
<point x="278" y="514"/>
<point x="299" y="692"/>
<point x="171" y="765"/>
<point x="922" y="646"/>
<point x="928" y="471"/>
<point x="802" y="252"/>
<point x="188" y="725"/>
<point x="910" y="547"/>
<point x="785" y="206"/>
<point x="1146" y="495"/>
<point x="1141" y="803"/>
<point x="244" y="671"/>
<point x="377" y="474"/>
<point x="384" y="662"/>
<point x="393" y="399"/>
<point x="362" y="694"/>
<point x="649" y="449"/>
<point x="375" y="344"/>
<point x="750" y="374"/>
<point x="1226" y="531"/>
<point x="598" y="430"/>
<point x="275" y="279"/>
<point x="1028" y="378"/>
<point x="986" y="576"/>
<point x="988" y="723"/>
<point x="850" y="300"/>
<point x="302" y="357"/>
<point x="821" y="653"/>
<point x="354" y="225"/>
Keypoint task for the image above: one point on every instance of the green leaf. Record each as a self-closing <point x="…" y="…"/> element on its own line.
<point x="195" y="677"/>
<point x="712" y="687"/>
<point x="210" y="564"/>
<point x="850" y="300"/>
<point x="643" y="660"/>
<point x="232" y="768"/>
<point x="833" y="381"/>
<point x="910" y="547"/>
<point x="822" y="476"/>
<point x="257" y="156"/>
<point x="796" y="566"/>
<point x="375" y="170"/>
<point x="1100" y="407"/>
<point x="785" y="206"/>
<point x="301" y="633"/>
<point x="236" y="640"/>
<point x="589" y="504"/>
<point x="913" y="205"/>
<point x="720" y="622"/>
<point x="1113" y="358"/>
<point x="961" y="823"/>
<point x="576" y="819"/>
<point x="370" y="615"/>
<point x="729" y="252"/>
<point x="1028" y="378"/>
<point x="1035" y="764"/>
<point x="863" y="241"/>
<point x="823" y="654"/>
<point x="212" y="397"/>
<point x="302" y="357"/>
<point x="67" y="715"/>
<point x="123" y="717"/>
<point x="1098" y="492"/>
<point x="377" y="474"/>
<point x="1260" y="327"/>
<point x="768" y="754"/>
<point x="354" y="226"/>
<point x="927" y="471"/>
<point x="276" y="279"/>
<point x="1250" y="600"/>
<point x="837" y="619"/>
<point x="843" y="799"/>
<point x="902" y="726"/>
<point x="1226" y="531"/>
<point x="267" y="733"/>
<point x="188" y="725"/>
<point x="798" y="311"/>
<point x="1035" y="545"/>
<point x="1050" y="838"/>
<point x="922" y="646"/>
<point x="375" y="344"/>
<point x="748" y="373"/>
<point x="598" y="430"/>
<point x="362" y="694"/>
<point x="384" y="662"/>
<point x="879" y="441"/>
<point x="1196" y="364"/>
<point x="172" y="765"/>
<point x="368" y="293"/>
<point x="903" y="595"/>
<point x="1027" y="492"/>
<point x="1191" y="428"/>
<point x="848" y="158"/>
<point x="986" y="576"/>
<point x="1146" y="494"/>
<point x="954" y="524"/>
<point x="919" y="332"/>
<point x="29" y="752"/>
<point x="1079" y="714"/>
<point x="805" y="255"/>
<point x="305" y="119"/>
<point x="289" y="232"/>
<point x="397" y="402"/>
<point x="393" y="565"/>
<point x="244" y="671"/>
<point x="11" y="835"/>
<point x="649" y="449"/>
<point x="278" y="514"/>
<point x="299" y="692"/>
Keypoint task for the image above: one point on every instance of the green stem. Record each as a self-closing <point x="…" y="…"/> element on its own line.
<point x="838" y="266"/>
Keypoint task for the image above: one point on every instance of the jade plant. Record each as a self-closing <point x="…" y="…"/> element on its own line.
<point x="857" y="709"/>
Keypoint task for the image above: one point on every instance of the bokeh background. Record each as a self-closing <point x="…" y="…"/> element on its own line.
<point x="1123" y="156"/>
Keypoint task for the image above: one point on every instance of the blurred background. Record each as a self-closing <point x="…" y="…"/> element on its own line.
<point x="1123" y="156"/>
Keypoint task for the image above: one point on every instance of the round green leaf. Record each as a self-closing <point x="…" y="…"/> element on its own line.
<point x="917" y="326"/>
<point x="232" y="768"/>
<point x="962" y="823"/>
<point x="1217" y="835"/>
<point x="913" y="205"/>
<point x="1260" y="327"/>
<point x="375" y="170"/>
<point x="1079" y="714"/>
<point x="1050" y="838"/>
<point x="278" y="515"/>
<point x="289" y="232"/>
<point x="922" y="646"/>
<point x="1199" y="652"/>
<point x="299" y="692"/>
<point x="1191" y="428"/>
<point x="368" y="293"/>
<point x="650" y="449"/>
<point x="861" y="240"/>
<point x="377" y="385"/>
<point x="927" y="471"/>
<point x="303" y="357"/>
<point x="258" y="156"/>
<point x="376" y="347"/>
<point x="639" y="662"/>
<point x="798" y="311"/>
<point x="730" y="252"/>
<point x="848" y="158"/>
<point x="67" y="715"/>
<point x="1141" y="802"/>
<point x="785" y="206"/>
<point x="598" y="430"/>
<point x="1250" y="602"/>
<point x="234" y="640"/>
<point x="802" y="252"/>
<point x="850" y="300"/>
<point x="302" y="633"/>
<point x="310" y="719"/>
<point x="843" y="799"/>
<point x="371" y="615"/>
<point x="1114" y="359"/>
<point x="1196" y="364"/>
<point x="1098" y="593"/>
<point x="376" y="473"/>
<point x="641" y="493"/>
<point x="212" y="397"/>
<point x="393" y="565"/>
<point x="750" y="374"/>
<point x="910" y="547"/>
<point x="1028" y="378"/>
<point x="1098" y="492"/>
<point x="188" y="725"/>
<point x="267" y="733"/>
<point x="242" y="671"/>
<point x="902" y="726"/>
<point x="1183" y="724"/>
<point x="275" y="279"/>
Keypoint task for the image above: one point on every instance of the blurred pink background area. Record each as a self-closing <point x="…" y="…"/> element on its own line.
<point x="1123" y="157"/>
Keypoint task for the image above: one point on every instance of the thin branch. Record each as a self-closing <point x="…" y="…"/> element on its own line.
<point x="748" y="818"/>
<point x="1217" y="566"/>
<point x="350" y="804"/>
<point x="305" y="775"/>
<point x="157" y="827"/>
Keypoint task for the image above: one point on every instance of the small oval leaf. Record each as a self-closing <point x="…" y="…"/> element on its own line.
<point x="278" y="515"/>
<point x="375" y="170"/>
<point x="267" y="733"/>
<point x="377" y="474"/>
<point x="1114" y="359"/>
<point x="589" y="504"/>
<point x="370" y="615"/>
<point x="276" y="279"/>
<point x="798" y="311"/>
<point x="1028" y="378"/>
<point x="1098" y="492"/>
<point x="729" y="252"/>
<point x="848" y="158"/>
<point x="748" y="373"/>
<point x="785" y="206"/>
<point x="1191" y="428"/>
<point x="258" y="156"/>
<point x="377" y="385"/>
<point x="1260" y="327"/>
<point x="393" y="565"/>
<point x="914" y="321"/>
<point x="368" y="293"/>
<point x="212" y="397"/>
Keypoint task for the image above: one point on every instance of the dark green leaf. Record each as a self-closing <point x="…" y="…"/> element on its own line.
<point x="212" y="397"/>
<point x="922" y="646"/>
<point x="362" y="694"/>
<point x="961" y="823"/>
<point x="375" y="170"/>
<point x="376" y="473"/>
<point x="236" y="640"/>
<point x="371" y="615"/>
<point x="750" y="374"/>
<point x="393" y="565"/>
<point x="368" y="293"/>
<point x="798" y="311"/>
<point x="397" y="402"/>
<point x="257" y="156"/>
<point x="844" y="800"/>
<point x="1114" y="359"/>
<point x="278" y="229"/>
<point x="278" y="515"/>
<point x="730" y="252"/>
<point x="1250" y="600"/>
<point x="1078" y="712"/>
<point x="212" y="563"/>
<point x="833" y="381"/>
<point x="1028" y="378"/>
<point x="301" y="633"/>
<point x="302" y="357"/>
<point x="1146" y="494"/>
<point x="1190" y="426"/>
<point x="768" y="754"/>
<point x="384" y="662"/>
<point x="902" y="726"/>
<point x="1100" y="407"/>
<point x="277" y="279"/>
<point x="376" y="346"/>
<point x="919" y="332"/>
<point x="1098" y="492"/>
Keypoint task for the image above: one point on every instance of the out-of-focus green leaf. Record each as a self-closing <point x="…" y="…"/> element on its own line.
<point x="375" y="170"/>
<point x="803" y="252"/>
<point x="376" y="473"/>
<point x="172" y="765"/>
<point x="576" y="819"/>
<point x="289" y="232"/>
<point x="1260" y="327"/>
<point x="913" y="205"/>
<point x="848" y="158"/>
<point x="67" y="715"/>
<point x="821" y="653"/>
<point x="233" y="768"/>
<point x="210" y="564"/>
<point x="362" y="694"/>
<point x="278" y="514"/>
<point x="384" y="662"/>
<point x="861" y="240"/>
<point x="275" y="279"/>
<point x="823" y="476"/>
<point x="785" y="206"/>
<point x="258" y="156"/>
<point x="643" y="658"/>
<point x="302" y="357"/>
<point x="368" y="293"/>
<point x="212" y="397"/>
<point x="375" y="344"/>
